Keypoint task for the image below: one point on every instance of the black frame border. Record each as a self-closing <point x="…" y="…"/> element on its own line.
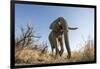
<point x="12" y="33"/>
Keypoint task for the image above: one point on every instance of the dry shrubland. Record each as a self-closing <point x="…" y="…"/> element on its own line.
<point x="28" y="53"/>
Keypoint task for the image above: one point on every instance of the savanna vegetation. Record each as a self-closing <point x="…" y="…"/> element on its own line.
<point x="29" y="51"/>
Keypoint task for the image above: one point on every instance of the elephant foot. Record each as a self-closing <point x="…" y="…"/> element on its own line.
<point x="69" y="56"/>
<point x="60" y="52"/>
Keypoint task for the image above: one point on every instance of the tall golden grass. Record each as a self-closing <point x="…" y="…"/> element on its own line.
<point x="35" y="56"/>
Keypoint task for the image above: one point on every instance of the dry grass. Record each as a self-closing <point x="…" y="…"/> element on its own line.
<point x="34" y="56"/>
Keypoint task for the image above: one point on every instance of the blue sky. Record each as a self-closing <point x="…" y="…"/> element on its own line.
<point x="42" y="16"/>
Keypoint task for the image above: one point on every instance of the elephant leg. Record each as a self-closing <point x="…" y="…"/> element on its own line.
<point x="54" y="42"/>
<point x="51" y="42"/>
<point x="67" y="44"/>
<point x="56" y="47"/>
<point x="61" y="45"/>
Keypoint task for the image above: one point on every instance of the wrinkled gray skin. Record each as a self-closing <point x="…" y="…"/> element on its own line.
<point x="57" y="35"/>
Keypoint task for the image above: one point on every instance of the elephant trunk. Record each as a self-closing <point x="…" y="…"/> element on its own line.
<point x="67" y="44"/>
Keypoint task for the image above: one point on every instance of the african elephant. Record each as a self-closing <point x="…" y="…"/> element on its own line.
<point x="59" y="29"/>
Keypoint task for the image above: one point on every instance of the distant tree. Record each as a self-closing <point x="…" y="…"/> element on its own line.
<point x="26" y="38"/>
